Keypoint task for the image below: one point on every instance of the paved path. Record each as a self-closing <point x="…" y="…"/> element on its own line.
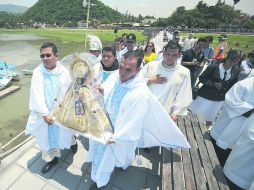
<point x="21" y="171"/>
<point x="158" y="41"/>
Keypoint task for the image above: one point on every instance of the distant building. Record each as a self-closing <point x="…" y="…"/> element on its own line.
<point x="81" y="24"/>
<point x="148" y="21"/>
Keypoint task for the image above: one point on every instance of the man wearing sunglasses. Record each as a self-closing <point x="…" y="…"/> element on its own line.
<point x="49" y="83"/>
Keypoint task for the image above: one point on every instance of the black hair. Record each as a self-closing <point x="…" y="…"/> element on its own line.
<point x="108" y="48"/>
<point x="172" y="44"/>
<point x="51" y="45"/>
<point x="153" y="50"/>
<point x="119" y="39"/>
<point x="234" y="53"/>
<point x="201" y="40"/>
<point x="209" y="38"/>
<point x="138" y="54"/>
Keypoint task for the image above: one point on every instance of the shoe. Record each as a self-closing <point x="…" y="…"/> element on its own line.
<point x="74" y="148"/>
<point x="94" y="187"/>
<point x="49" y="165"/>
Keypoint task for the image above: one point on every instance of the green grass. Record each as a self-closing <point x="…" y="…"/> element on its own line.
<point x="242" y="39"/>
<point x="76" y="35"/>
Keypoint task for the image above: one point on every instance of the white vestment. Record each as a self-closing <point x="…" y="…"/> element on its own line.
<point x="228" y="126"/>
<point x="188" y="44"/>
<point x="239" y="167"/>
<point x="37" y="105"/>
<point x="100" y="74"/>
<point x="175" y="94"/>
<point x="140" y="122"/>
<point x="246" y="70"/>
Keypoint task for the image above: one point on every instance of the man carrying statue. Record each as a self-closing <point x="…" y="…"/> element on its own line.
<point x="138" y="121"/>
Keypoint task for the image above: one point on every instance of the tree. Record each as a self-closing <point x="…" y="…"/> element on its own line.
<point x="236" y="1"/>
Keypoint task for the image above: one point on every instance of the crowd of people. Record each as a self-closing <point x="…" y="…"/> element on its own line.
<point x="144" y="92"/>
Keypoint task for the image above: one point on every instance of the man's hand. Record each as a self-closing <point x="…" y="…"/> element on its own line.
<point x="100" y="89"/>
<point x="157" y="79"/>
<point x="48" y="119"/>
<point x="110" y="141"/>
<point x="173" y="117"/>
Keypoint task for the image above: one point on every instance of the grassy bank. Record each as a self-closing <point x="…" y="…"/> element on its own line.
<point x="246" y="42"/>
<point x="75" y="35"/>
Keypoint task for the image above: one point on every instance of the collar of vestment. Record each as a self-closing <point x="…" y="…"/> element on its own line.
<point x="137" y="81"/>
<point x="172" y="66"/>
<point x="56" y="71"/>
<point x="115" y="66"/>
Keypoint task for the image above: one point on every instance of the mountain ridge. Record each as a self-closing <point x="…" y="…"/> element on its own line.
<point x="10" y="8"/>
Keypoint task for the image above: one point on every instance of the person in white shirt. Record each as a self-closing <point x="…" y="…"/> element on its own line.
<point x="49" y="83"/>
<point x="239" y="102"/>
<point x="189" y="42"/>
<point x="247" y="67"/>
<point x="138" y="120"/>
<point x="239" y="167"/>
<point x="169" y="81"/>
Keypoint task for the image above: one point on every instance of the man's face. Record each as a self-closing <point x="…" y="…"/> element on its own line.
<point x="96" y="53"/>
<point x="49" y="59"/>
<point x="128" y="69"/>
<point x="118" y="45"/>
<point x="199" y="45"/>
<point x="233" y="60"/>
<point x="170" y="56"/>
<point x="130" y="45"/>
<point x="107" y="58"/>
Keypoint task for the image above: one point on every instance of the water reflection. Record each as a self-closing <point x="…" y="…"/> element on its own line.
<point x="23" y="50"/>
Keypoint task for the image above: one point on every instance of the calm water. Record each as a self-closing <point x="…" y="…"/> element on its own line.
<point x="23" y="50"/>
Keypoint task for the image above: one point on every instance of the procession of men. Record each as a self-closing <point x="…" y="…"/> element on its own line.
<point x="143" y="101"/>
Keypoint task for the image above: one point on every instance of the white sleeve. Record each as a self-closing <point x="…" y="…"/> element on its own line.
<point x="235" y="103"/>
<point x="37" y="100"/>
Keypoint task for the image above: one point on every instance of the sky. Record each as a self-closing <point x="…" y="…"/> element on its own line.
<point x="157" y="8"/>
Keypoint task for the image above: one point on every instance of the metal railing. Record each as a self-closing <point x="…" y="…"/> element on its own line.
<point x="4" y="153"/>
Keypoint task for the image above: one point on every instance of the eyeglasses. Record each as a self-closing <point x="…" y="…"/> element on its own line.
<point x="47" y="55"/>
<point x="149" y="46"/>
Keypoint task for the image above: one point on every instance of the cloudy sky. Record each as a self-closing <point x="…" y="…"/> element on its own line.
<point x="158" y="8"/>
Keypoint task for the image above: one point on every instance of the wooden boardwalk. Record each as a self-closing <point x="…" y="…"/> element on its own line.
<point x="9" y="90"/>
<point x="195" y="168"/>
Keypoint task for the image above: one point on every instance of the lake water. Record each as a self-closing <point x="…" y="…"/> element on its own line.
<point x="23" y="51"/>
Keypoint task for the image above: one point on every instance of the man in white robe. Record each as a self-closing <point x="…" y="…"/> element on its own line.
<point x="239" y="102"/>
<point x="108" y="65"/>
<point x="138" y="120"/>
<point x="247" y="67"/>
<point x="239" y="167"/>
<point x="169" y="81"/>
<point x="49" y="82"/>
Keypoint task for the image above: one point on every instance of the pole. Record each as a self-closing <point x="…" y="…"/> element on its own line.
<point x="87" y="20"/>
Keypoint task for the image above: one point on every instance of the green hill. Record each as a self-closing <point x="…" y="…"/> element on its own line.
<point x="64" y="11"/>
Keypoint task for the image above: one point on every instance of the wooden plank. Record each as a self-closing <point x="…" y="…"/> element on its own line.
<point x="205" y="160"/>
<point x="167" y="178"/>
<point x="178" y="175"/>
<point x="217" y="169"/>
<point x="196" y="163"/>
<point x="189" y="179"/>
<point x="9" y="90"/>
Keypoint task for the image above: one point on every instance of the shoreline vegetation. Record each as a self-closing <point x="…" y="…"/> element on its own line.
<point x="246" y="42"/>
<point x="76" y="35"/>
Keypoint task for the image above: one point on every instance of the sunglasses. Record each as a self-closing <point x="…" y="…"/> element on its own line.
<point x="47" y="55"/>
<point x="149" y="46"/>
